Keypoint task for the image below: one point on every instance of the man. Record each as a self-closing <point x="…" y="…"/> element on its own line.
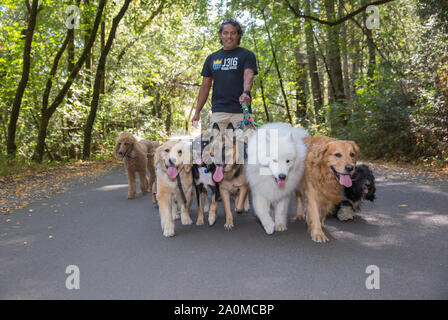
<point x="231" y="70"/>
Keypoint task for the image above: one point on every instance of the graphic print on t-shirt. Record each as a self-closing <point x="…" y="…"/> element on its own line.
<point x="217" y="64"/>
<point x="229" y="64"/>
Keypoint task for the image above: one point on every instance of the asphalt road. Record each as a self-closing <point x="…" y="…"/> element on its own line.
<point x="118" y="246"/>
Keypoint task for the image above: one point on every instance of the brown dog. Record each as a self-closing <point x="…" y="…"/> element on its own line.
<point x="137" y="157"/>
<point x="329" y="165"/>
<point x="227" y="156"/>
<point x="174" y="183"/>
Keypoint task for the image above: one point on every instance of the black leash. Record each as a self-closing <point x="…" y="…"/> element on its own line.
<point x="179" y="184"/>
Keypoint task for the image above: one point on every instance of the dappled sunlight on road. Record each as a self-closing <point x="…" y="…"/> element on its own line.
<point x="374" y="241"/>
<point x="428" y="219"/>
<point x="111" y="187"/>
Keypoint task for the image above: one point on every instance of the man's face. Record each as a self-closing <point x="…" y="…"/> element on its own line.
<point x="229" y="37"/>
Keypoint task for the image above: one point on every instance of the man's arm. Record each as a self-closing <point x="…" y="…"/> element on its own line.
<point x="248" y="82"/>
<point x="202" y="97"/>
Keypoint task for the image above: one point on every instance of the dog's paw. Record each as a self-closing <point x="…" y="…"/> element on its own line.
<point x="299" y="217"/>
<point x="168" y="232"/>
<point x="228" y="226"/>
<point x="211" y="221"/>
<point x="345" y="214"/>
<point x="131" y="196"/>
<point x="280" y="227"/>
<point x="319" y="237"/>
<point x="269" y="228"/>
<point x="186" y="220"/>
<point x="200" y="222"/>
<point x="176" y="216"/>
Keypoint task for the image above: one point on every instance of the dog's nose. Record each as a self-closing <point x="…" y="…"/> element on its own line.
<point x="120" y="153"/>
<point x="172" y="161"/>
<point x="282" y="176"/>
<point x="349" y="168"/>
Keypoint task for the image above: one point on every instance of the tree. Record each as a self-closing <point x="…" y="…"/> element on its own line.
<point x="99" y="78"/>
<point x="11" y="144"/>
<point x="48" y="112"/>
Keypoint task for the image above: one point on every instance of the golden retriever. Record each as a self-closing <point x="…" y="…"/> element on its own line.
<point x="174" y="183"/>
<point x="137" y="157"/>
<point x="329" y="165"/>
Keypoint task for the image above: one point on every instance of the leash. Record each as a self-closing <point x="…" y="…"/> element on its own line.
<point x="247" y="120"/>
<point x="179" y="184"/>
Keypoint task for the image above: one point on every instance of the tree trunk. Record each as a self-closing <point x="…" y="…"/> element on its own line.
<point x="334" y="56"/>
<point x="301" y="85"/>
<point x="98" y="78"/>
<point x="103" y="44"/>
<point x="312" y="64"/>
<point x="39" y="150"/>
<point x="89" y="60"/>
<point x="370" y="46"/>
<point x="260" y="79"/>
<point x="285" y="98"/>
<point x="168" y="119"/>
<point x="11" y="147"/>
<point x="347" y="92"/>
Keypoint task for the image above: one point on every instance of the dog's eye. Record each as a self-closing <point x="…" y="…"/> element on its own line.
<point x="338" y="155"/>
<point x="179" y="152"/>
<point x="274" y="160"/>
<point x="352" y="154"/>
<point x="287" y="161"/>
<point x="167" y="150"/>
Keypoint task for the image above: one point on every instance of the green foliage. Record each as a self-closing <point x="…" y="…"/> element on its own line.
<point x="378" y="120"/>
<point x="153" y="74"/>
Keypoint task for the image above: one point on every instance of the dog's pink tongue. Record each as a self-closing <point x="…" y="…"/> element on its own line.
<point x="345" y="180"/>
<point x="218" y="175"/>
<point x="366" y="190"/>
<point x="172" y="172"/>
<point x="281" y="183"/>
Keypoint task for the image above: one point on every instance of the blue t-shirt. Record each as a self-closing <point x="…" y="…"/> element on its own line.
<point x="226" y="67"/>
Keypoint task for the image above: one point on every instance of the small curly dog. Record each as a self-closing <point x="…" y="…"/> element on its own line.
<point x="137" y="157"/>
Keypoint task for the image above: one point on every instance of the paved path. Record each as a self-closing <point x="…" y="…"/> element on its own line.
<point x="121" y="253"/>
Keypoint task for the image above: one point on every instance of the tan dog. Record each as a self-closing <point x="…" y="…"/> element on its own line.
<point x="173" y="166"/>
<point x="137" y="157"/>
<point x="230" y="172"/>
<point x="329" y="165"/>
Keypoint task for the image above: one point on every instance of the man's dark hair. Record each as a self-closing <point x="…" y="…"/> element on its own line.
<point x="234" y="23"/>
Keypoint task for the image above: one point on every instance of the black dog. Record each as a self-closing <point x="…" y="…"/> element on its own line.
<point x="363" y="187"/>
<point x="202" y="175"/>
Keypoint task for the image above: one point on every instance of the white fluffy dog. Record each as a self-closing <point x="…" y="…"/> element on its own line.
<point x="275" y="167"/>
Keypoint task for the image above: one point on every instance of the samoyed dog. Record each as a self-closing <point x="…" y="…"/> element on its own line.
<point x="276" y="163"/>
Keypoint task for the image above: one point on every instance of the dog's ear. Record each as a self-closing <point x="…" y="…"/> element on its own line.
<point x="230" y="132"/>
<point x="307" y="139"/>
<point x="131" y="143"/>
<point x="355" y="148"/>
<point x="117" y="146"/>
<point x="215" y="131"/>
<point x="320" y="151"/>
<point x="157" y="156"/>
